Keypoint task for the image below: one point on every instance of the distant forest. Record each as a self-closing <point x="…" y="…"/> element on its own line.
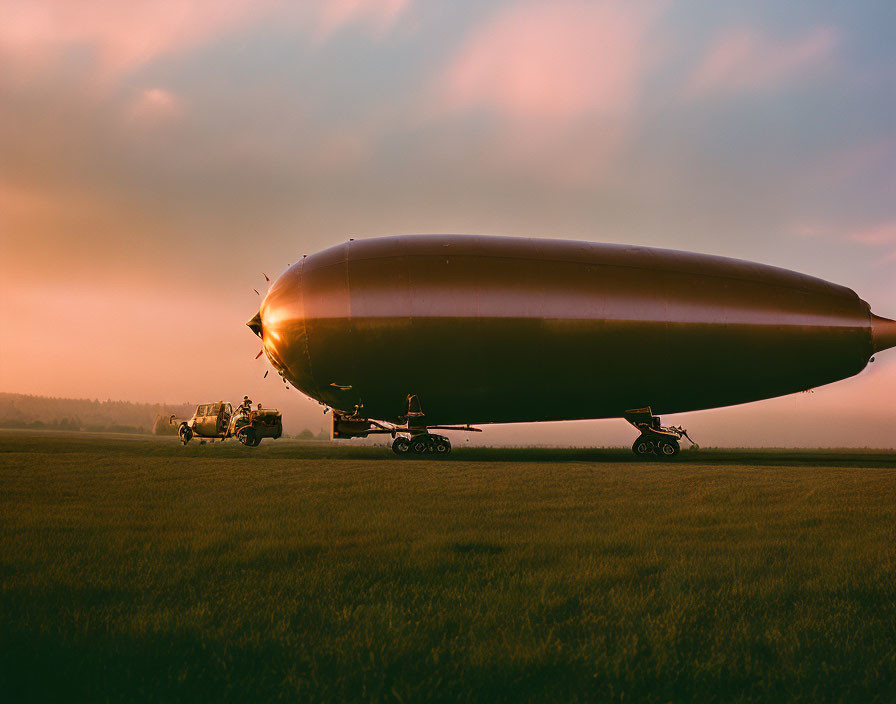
<point x="48" y="413"/>
<point x="42" y="412"/>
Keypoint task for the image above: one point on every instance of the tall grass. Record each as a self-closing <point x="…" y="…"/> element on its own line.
<point x="142" y="570"/>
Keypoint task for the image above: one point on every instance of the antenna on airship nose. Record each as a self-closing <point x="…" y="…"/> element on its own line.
<point x="268" y="281"/>
<point x="255" y="325"/>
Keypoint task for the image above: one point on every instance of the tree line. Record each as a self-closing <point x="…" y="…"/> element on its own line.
<point x="51" y="413"/>
<point x="74" y="414"/>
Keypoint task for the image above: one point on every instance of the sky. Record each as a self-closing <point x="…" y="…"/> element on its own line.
<point x="157" y="158"/>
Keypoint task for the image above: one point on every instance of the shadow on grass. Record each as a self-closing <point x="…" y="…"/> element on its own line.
<point x="151" y="446"/>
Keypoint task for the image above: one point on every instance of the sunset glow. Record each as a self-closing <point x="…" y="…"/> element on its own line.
<point x="158" y="157"/>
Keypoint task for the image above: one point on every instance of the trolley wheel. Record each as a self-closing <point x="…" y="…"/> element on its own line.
<point x="401" y="445"/>
<point x="186" y="434"/>
<point x="442" y="446"/>
<point x="246" y="435"/>
<point x="669" y="448"/>
<point x="642" y="447"/>
<point x="420" y="445"/>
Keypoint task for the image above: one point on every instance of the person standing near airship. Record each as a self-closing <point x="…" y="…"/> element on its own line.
<point x="245" y="407"/>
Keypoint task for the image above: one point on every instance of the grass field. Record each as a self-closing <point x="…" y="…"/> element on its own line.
<point x="136" y="569"/>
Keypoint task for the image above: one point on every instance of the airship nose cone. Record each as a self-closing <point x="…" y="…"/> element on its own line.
<point x="883" y="333"/>
<point x="255" y="324"/>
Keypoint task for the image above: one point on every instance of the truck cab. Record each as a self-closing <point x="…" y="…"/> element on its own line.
<point x="210" y="420"/>
<point x="217" y="421"/>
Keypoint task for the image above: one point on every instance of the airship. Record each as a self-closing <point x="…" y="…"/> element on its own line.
<point x="415" y="333"/>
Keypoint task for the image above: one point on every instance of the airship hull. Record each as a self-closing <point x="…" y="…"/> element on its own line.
<point x="502" y="330"/>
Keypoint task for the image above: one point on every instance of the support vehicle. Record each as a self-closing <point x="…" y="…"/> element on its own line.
<point x="655" y="439"/>
<point x="217" y="421"/>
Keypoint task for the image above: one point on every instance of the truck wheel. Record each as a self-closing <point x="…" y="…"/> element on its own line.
<point x="186" y="434"/>
<point x="642" y="447"/>
<point x="420" y="445"/>
<point x="401" y="446"/>
<point x="247" y="436"/>
<point x="442" y="446"/>
<point x="669" y="448"/>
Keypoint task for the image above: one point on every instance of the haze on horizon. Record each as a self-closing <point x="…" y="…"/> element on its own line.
<point x="156" y="158"/>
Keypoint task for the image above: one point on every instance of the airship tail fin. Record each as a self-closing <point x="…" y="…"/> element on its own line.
<point x="883" y="333"/>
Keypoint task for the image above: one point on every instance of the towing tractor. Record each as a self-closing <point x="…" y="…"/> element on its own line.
<point x="655" y="439"/>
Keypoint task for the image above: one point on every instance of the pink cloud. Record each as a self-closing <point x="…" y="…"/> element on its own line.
<point x="742" y="60"/>
<point x="878" y="235"/>
<point x="880" y="239"/>
<point x="382" y="14"/>
<point x="125" y="35"/>
<point x="551" y="61"/>
<point x="560" y="81"/>
<point x="121" y="36"/>
<point x="154" y="105"/>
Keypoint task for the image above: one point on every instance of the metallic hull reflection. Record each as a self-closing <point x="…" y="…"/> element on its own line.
<point x="497" y="330"/>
